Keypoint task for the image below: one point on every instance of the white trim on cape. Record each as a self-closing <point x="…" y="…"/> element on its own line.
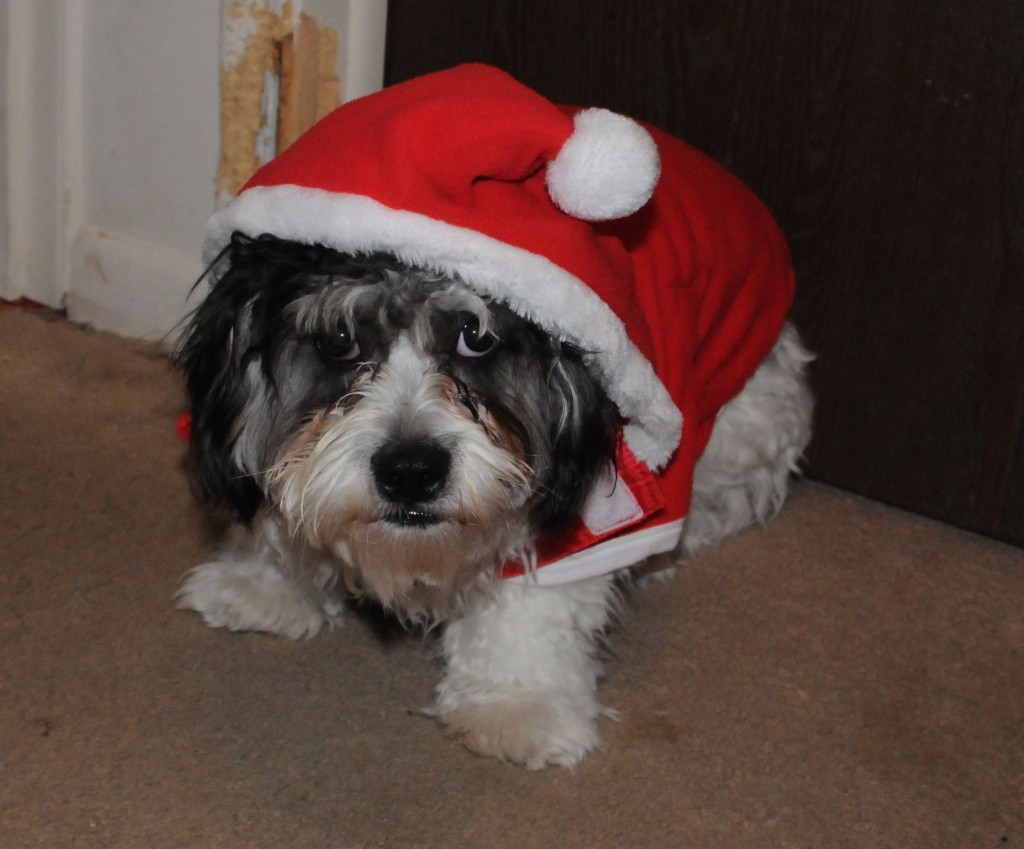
<point x="619" y="552"/>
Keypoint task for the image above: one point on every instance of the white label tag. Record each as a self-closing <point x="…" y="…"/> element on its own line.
<point x="611" y="505"/>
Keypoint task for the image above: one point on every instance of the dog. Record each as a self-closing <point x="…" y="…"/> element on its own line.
<point x="394" y="425"/>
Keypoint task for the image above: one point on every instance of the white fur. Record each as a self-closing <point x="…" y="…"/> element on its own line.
<point x="743" y="476"/>
<point x="521" y="661"/>
<point x="521" y="671"/>
<point x="325" y="495"/>
<point x="325" y="483"/>
<point x="264" y="581"/>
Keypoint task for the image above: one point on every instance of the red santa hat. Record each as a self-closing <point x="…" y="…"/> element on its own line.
<point x="607" y="233"/>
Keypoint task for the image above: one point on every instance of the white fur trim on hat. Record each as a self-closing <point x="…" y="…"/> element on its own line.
<point x="530" y="284"/>
<point x="607" y="169"/>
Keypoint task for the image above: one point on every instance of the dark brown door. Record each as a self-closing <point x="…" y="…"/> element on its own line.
<point x="888" y="138"/>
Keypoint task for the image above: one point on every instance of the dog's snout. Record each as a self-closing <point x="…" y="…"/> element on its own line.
<point x="411" y="472"/>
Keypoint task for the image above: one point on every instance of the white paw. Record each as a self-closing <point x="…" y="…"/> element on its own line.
<point x="529" y="729"/>
<point x="251" y="596"/>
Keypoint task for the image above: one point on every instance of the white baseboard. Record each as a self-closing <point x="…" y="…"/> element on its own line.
<point x="130" y="287"/>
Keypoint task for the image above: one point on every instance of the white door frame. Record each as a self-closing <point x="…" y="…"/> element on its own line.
<point x="42" y="50"/>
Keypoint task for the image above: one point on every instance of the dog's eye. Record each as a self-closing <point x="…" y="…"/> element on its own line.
<point x="473" y="343"/>
<point x="339" y="344"/>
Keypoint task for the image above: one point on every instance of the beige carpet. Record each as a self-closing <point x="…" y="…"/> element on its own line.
<point x="850" y="677"/>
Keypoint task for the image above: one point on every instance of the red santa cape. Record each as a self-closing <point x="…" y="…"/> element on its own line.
<point x="607" y="233"/>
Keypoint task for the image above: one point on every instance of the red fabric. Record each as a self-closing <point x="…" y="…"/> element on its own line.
<point x="713" y="283"/>
<point x="183" y="427"/>
<point x="641" y="485"/>
<point x="700" y="276"/>
<point x="465" y="146"/>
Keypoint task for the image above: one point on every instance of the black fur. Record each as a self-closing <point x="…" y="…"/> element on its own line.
<point x="537" y="388"/>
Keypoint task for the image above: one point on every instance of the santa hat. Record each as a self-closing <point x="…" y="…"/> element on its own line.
<point x="608" y="234"/>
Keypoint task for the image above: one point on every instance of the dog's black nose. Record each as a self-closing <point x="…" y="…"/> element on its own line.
<point x="411" y="472"/>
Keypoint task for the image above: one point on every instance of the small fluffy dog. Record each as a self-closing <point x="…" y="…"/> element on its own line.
<point x="441" y="429"/>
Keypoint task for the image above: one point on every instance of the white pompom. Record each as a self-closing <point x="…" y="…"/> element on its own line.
<point x="607" y="169"/>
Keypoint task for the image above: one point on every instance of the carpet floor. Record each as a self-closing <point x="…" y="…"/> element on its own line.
<point x="850" y="676"/>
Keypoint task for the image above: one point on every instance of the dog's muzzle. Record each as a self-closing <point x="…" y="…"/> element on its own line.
<point x="409" y="476"/>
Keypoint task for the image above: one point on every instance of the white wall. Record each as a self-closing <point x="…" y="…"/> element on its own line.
<point x="147" y="154"/>
<point x="110" y="126"/>
<point x="362" y="50"/>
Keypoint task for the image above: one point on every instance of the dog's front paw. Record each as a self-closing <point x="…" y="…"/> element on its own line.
<point x="251" y="596"/>
<point x="529" y="729"/>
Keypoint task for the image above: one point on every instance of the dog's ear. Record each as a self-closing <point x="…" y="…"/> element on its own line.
<point x="218" y="347"/>
<point x="584" y="430"/>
